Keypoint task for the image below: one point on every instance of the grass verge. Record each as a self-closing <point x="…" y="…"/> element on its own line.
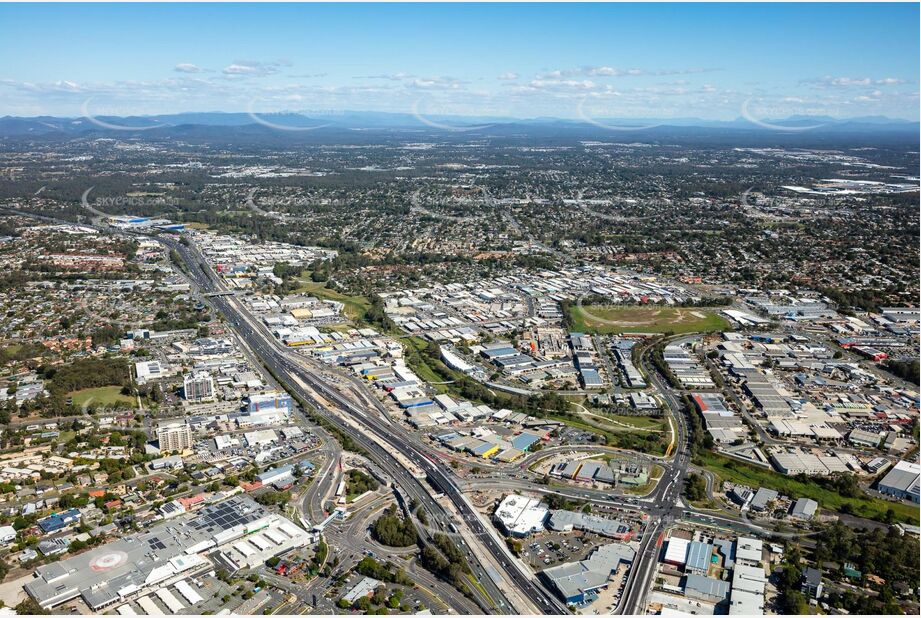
<point x="753" y="476"/>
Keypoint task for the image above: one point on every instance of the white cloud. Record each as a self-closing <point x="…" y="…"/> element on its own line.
<point x="185" y="67"/>
<point x="436" y="83"/>
<point x="854" y="82"/>
<point x="612" y="72"/>
<point x="607" y="71"/>
<point x="562" y="84"/>
<point x="253" y="68"/>
<point x="393" y="77"/>
<point x="509" y="76"/>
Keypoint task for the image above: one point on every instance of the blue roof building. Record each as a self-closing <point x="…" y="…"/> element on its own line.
<point x="523" y="441"/>
<point x="59" y="521"/>
<point x="591" y="378"/>
<point x="698" y="560"/>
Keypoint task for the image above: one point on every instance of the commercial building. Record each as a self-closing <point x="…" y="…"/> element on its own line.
<point x="631" y="374"/>
<point x="198" y="387"/>
<point x="762" y="498"/>
<point x="175" y="436"/>
<point x="454" y="361"/>
<point x="279" y="477"/>
<point x="861" y="437"/>
<point x="616" y="472"/>
<point x="804" y="509"/>
<point x="578" y="582"/>
<point x="270" y="400"/>
<point x="166" y="463"/>
<point x="747" y="596"/>
<point x="698" y="558"/>
<point x="707" y="589"/>
<point x="591" y="378"/>
<point x="902" y="482"/>
<point x="676" y="551"/>
<point x="364" y="588"/>
<point x="233" y="534"/>
<point x="749" y="551"/>
<point x="566" y="521"/>
<point x="520" y="516"/>
<point x="743" y="603"/>
<point x="811" y="584"/>
<point x="263" y="417"/>
<point x="146" y="371"/>
<point x="796" y="461"/>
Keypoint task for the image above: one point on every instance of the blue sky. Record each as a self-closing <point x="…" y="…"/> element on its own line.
<point x="524" y="60"/>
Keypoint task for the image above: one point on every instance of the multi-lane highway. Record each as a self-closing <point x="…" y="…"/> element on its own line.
<point x="367" y="425"/>
<point x="665" y="507"/>
<point x="369" y="428"/>
<point x="381" y="440"/>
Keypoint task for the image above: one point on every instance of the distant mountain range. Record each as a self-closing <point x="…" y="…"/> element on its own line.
<point x="240" y="124"/>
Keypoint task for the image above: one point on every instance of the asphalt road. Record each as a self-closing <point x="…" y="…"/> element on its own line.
<point x="294" y="373"/>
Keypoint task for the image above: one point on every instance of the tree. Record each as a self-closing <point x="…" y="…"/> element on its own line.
<point x="30" y="607"/>
<point x="394" y="531"/>
<point x="695" y="487"/>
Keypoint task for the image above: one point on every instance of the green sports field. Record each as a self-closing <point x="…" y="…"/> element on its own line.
<point x="612" y="319"/>
<point x="102" y="396"/>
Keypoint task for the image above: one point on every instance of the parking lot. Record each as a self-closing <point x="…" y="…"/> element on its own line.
<point x="549" y="550"/>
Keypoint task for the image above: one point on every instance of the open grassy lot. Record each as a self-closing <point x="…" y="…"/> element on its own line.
<point x="355" y="307"/>
<point x="102" y="396"/>
<point x="627" y="438"/>
<point x="422" y="364"/>
<point x="658" y="423"/>
<point x="610" y="319"/>
<point x="753" y="476"/>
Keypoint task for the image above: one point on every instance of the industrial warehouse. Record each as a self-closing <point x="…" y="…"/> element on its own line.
<point x="232" y="534"/>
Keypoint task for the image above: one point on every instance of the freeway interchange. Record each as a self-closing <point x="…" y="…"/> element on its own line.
<point x="504" y="585"/>
<point x="381" y="440"/>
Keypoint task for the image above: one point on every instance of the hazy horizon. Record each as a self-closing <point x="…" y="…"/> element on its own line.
<point x="654" y="61"/>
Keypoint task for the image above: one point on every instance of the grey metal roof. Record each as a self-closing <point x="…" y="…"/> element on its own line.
<point x="805" y="507"/>
<point x="560" y="520"/>
<point x="899" y="479"/>
<point x="707" y="586"/>
<point x="575" y="578"/>
<point x="812" y="576"/>
<point x="762" y="497"/>
<point x="698" y="556"/>
<point x="98" y="574"/>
